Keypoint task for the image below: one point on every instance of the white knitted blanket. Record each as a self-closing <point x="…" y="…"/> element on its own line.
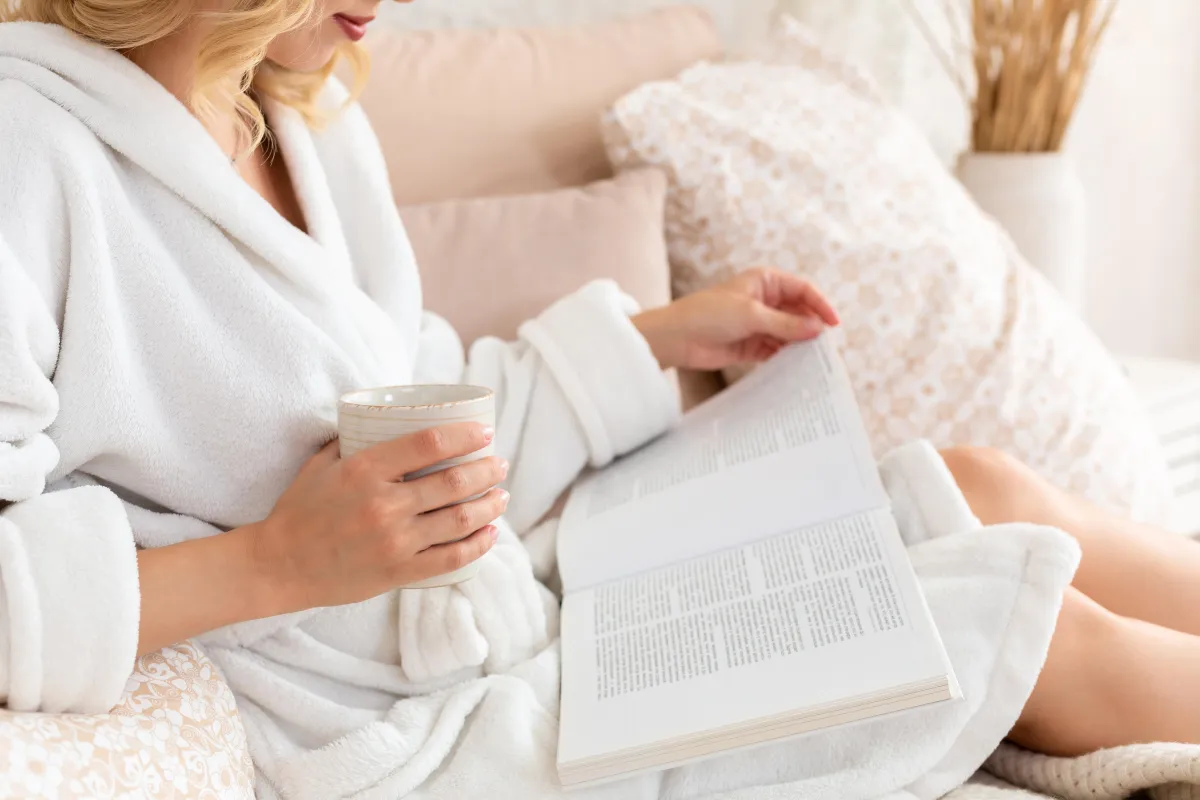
<point x="988" y="787"/>
<point x="1164" y="771"/>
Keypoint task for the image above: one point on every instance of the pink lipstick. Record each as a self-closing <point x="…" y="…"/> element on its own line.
<point x="355" y="28"/>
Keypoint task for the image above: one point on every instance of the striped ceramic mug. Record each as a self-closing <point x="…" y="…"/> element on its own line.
<point x="370" y="416"/>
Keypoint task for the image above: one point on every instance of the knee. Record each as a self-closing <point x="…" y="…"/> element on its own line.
<point x="979" y="463"/>
<point x="998" y="487"/>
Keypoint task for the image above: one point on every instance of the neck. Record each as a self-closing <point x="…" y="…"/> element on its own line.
<point x="171" y="61"/>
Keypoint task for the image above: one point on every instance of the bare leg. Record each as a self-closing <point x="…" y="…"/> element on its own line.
<point x="1132" y="570"/>
<point x="1111" y="681"/>
<point x="1124" y="664"/>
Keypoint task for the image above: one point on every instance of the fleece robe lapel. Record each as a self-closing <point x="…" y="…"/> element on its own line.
<point x="166" y="134"/>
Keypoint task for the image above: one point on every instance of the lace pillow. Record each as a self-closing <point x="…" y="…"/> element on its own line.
<point x="793" y="160"/>
<point x="176" y="734"/>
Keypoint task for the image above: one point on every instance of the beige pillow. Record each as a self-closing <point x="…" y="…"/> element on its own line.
<point x="471" y="113"/>
<point x="489" y="264"/>
<point x="793" y="160"/>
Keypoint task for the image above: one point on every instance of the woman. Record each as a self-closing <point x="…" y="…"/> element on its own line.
<point x="182" y="299"/>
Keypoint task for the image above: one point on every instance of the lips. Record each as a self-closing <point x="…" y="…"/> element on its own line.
<point x="355" y="28"/>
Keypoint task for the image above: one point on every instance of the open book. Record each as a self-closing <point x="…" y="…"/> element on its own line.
<point x="739" y="581"/>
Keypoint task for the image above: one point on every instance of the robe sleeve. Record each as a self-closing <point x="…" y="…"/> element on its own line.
<point x="69" y="597"/>
<point x="578" y="388"/>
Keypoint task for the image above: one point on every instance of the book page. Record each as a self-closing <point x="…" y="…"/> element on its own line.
<point x="783" y="448"/>
<point x="796" y="621"/>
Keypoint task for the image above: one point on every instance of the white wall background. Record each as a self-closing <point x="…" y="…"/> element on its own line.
<point x="1136" y="139"/>
<point x="1136" y="143"/>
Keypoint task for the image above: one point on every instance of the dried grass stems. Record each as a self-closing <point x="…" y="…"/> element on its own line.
<point x="1020" y="64"/>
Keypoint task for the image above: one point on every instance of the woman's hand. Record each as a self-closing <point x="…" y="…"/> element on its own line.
<point x="344" y="531"/>
<point x="748" y="318"/>
<point x="348" y="530"/>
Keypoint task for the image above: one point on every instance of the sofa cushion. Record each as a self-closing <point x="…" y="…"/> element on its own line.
<point x="469" y="113"/>
<point x="489" y="264"/>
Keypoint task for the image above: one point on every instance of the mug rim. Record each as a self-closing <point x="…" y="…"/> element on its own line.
<point x="361" y="398"/>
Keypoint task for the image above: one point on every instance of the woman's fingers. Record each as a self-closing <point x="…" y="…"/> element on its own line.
<point x="791" y="292"/>
<point x="456" y="484"/>
<point x="324" y="457"/>
<point x="443" y="558"/>
<point x="455" y="522"/>
<point x="392" y="460"/>
<point x="787" y="326"/>
<point x="761" y="347"/>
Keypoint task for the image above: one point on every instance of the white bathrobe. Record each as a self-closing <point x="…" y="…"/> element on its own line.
<point x="171" y="351"/>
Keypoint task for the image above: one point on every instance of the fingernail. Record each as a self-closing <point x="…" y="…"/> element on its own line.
<point x="503" y="468"/>
<point x="504" y="497"/>
<point x="495" y="532"/>
<point x="489" y="434"/>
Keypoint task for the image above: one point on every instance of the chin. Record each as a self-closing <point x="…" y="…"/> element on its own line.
<point x="306" y="50"/>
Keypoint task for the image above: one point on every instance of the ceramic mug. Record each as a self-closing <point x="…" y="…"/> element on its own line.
<point x="371" y="416"/>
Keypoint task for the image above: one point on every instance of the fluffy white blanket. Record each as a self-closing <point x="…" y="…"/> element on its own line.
<point x="172" y="350"/>
<point x="994" y="594"/>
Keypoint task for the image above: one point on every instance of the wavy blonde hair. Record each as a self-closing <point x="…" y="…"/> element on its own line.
<point x="232" y="66"/>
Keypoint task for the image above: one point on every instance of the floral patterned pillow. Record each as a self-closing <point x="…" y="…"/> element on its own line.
<point x="793" y="160"/>
<point x="176" y="734"/>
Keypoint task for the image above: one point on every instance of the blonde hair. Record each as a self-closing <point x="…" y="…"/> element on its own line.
<point x="232" y="66"/>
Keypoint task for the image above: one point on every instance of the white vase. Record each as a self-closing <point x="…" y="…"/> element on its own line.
<point x="1039" y="199"/>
